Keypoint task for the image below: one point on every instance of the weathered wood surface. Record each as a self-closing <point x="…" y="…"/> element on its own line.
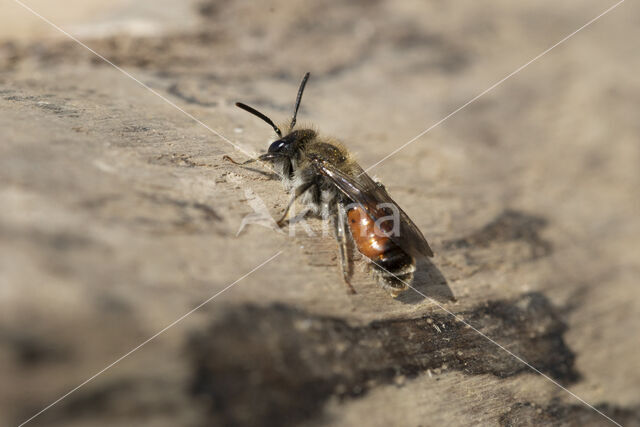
<point x="118" y="216"/>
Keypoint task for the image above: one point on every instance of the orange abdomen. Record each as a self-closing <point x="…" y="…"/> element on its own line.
<point x="369" y="239"/>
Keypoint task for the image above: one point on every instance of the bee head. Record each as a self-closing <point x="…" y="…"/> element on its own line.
<point x="289" y="142"/>
<point x="292" y="142"/>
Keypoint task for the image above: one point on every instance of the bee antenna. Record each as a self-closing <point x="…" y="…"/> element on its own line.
<point x="257" y="113"/>
<point x="298" y="98"/>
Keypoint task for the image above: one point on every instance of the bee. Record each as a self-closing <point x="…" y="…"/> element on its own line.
<point x="321" y="172"/>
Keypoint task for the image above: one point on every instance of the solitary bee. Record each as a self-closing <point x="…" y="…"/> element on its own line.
<point x="321" y="172"/>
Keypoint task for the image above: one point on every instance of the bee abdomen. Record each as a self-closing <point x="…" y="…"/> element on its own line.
<point x="394" y="270"/>
<point x="393" y="267"/>
<point x="395" y="259"/>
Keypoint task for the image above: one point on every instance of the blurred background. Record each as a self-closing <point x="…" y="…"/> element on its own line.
<point x="118" y="215"/>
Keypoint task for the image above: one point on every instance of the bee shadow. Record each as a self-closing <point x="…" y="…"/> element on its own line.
<point x="428" y="282"/>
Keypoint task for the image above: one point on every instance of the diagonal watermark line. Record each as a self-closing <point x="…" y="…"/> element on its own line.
<point x="171" y="103"/>
<point x="151" y="338"/>
<point x="159" y="95"/>
<point x="459" y="319"/>
<point x="126" y="73"/>
<point x="493" y="86"/>
<point x="277" y="254"/>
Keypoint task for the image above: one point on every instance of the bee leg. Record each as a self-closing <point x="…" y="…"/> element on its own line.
<point x="263" y="158"/>
<point x="229" y="159"/>
<point x="299" y="191"/>
<point x="299" y="217"/>
<point x="340" y="227"/>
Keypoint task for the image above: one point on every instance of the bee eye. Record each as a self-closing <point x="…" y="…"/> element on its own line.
<point x="279" y="145"/>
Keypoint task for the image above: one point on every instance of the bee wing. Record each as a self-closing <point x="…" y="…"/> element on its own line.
<point x="369" y="195"/>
